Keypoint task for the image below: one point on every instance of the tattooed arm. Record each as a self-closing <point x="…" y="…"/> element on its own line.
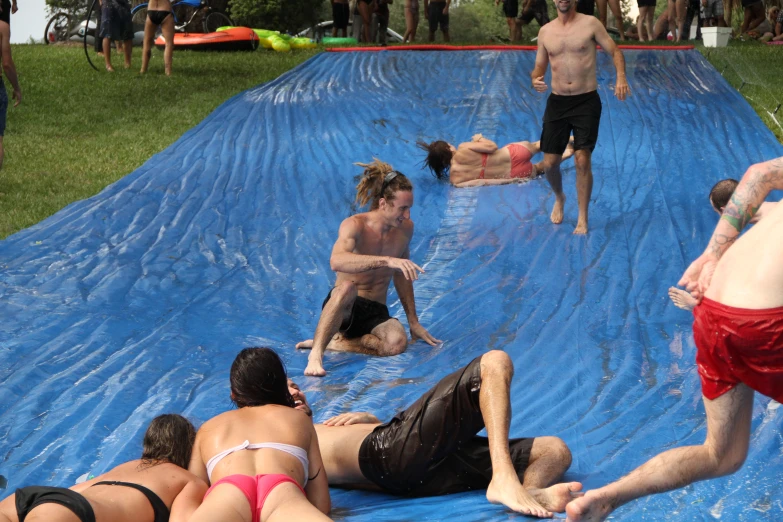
<point x="759" y="180"/>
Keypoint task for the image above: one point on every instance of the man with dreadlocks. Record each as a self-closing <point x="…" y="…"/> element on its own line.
<point x="371" y="249"/>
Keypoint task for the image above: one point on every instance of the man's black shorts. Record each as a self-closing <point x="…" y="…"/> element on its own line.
<point x="340" y="15"/>
<point x="432" y="448"/>
<point x="580" y="113"/>
<point x="366" y="314"/>
<point x="510" y="8"/>
<point x="586" y="7"/>
<point x="5" y="15"/>
<point x="436" y="17"/>
<point x="646" y="3"/>
<point x="539" y="11"/>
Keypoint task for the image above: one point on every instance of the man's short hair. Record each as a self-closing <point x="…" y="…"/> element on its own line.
<point x="721" y="193"/>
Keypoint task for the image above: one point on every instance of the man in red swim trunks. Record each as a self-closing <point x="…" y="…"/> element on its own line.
<point x="738" y="330"/>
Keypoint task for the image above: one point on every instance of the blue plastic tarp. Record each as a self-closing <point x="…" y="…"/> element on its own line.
<point x="134" y="302"/>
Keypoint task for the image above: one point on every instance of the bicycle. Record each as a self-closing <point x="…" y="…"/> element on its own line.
<point x="61" y="28"/>
<point x="186" y="15"/>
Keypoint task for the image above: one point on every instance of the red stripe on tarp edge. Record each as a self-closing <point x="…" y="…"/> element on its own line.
<point x="492" y="48"/>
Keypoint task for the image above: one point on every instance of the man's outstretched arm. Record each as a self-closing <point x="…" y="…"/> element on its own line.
<point x="355" y="417"/>
<point x="759" y="180"/>
<point x="621" y="89"/>
<point x="404" y="289"/>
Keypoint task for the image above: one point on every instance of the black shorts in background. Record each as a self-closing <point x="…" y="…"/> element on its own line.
<point x="586" y="7"/>
<point x="436" y="17"/>
<point x="510" y="8"/>
<point x="5" y="16"/>
<point x="645" y="3"/>
<point x="539" y="11"/>
<point x="580" y="113"/>
<point x="432" y="448"/>
<point x="340" y="15"/>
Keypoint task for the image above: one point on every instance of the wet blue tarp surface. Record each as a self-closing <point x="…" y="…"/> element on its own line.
<point x="135" y="302"/>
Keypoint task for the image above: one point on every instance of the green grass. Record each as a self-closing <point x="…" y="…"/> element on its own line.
<point x="754" y="69"/>
<point x="78" y="130"/>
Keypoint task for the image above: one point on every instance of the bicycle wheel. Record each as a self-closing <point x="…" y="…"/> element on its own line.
<point x="214" y="20"/>
<point x="183" y="17"/>
<point x="139" y="18"/>
<point x="57" y="28"/>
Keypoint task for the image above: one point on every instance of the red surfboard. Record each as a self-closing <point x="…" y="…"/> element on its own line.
<point x="236" y="39"/>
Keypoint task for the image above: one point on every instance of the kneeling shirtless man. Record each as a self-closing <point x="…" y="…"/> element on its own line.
<point x="371" y="249"/>
<point x="431" y="448"/>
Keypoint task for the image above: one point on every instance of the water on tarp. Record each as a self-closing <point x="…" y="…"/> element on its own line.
<point x="134" y="302"/>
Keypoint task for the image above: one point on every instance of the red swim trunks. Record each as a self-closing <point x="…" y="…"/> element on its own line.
<point x="737" y="345"/>
<point x="520" y="161"/>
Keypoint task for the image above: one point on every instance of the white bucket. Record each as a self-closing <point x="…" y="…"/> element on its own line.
<point x="715" y="36"/>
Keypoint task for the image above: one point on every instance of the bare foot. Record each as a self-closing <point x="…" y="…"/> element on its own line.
<point x="513" y="495"/>
<point x="581" y="228"/>
<point x="555" y="498"/>
<point x="109" y="68"/>
<point x="557" y="211"/>
<point x="592" y="507"/>
<point x="682" y="299"/>
<point x="314" y="368"/>
<point x="304" y="345"/>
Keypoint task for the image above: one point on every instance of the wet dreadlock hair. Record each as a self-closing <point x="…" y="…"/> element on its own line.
<point x="438" y="157"/>
<point x="169" y="438"/>
<point x="258" y="378"/>
<point x="721" y="193"/>
<point x="379" y="180"/>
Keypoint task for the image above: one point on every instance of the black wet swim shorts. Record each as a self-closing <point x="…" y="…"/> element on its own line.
<point x="586" y="7"/>
<point x="510" y="8"/>
<point x="539" y="11"/>
<point x="436" y="17"/>
<point x="366" y="314"/>
<point x="432" y="448"/>
<point x="33" y="496"/>
<point x="340" y="15"/>
<point x="580" y="113"/>
<point x="646" y="3"/>
<point x="116" y="21"/>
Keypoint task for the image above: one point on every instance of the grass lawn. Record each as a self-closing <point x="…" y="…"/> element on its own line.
<point x="78" y="131"/>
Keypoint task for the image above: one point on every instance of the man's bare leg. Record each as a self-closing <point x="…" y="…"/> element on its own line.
<point x="107" y="54"/>
<point x="495" y="403"/>
<point x="549" y="459"/>
<point x="584" y="188"/>
<point x="388" y="338"/>
<point x="614" y="5"/>
<point x="127" y="47"/>
<point x="335" y="311"/>
<point x="682" y="299"/>
<point x="723" y="453"/>
<point x="551" y="167"/>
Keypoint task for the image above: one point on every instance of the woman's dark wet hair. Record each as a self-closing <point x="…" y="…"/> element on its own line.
<point x="721" y="193"/>
<point x="438" y="157"/>
<point x="379" y="180"/>
<point x="169" y="438"/>
<point x="258" y="378"/>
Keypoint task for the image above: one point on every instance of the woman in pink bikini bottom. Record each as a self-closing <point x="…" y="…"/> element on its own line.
<point x="262" y="459"/>
<point x="480" y="162"/>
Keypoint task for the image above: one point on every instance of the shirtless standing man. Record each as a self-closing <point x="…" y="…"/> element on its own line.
<point x="431" y="448"/>
<point x="371" y="249"/>
<point x="738" y="330"/>
<point x="569" y="43"/>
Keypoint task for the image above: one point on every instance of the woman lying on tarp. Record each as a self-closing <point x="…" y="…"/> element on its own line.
<point x="480" y="161"/>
